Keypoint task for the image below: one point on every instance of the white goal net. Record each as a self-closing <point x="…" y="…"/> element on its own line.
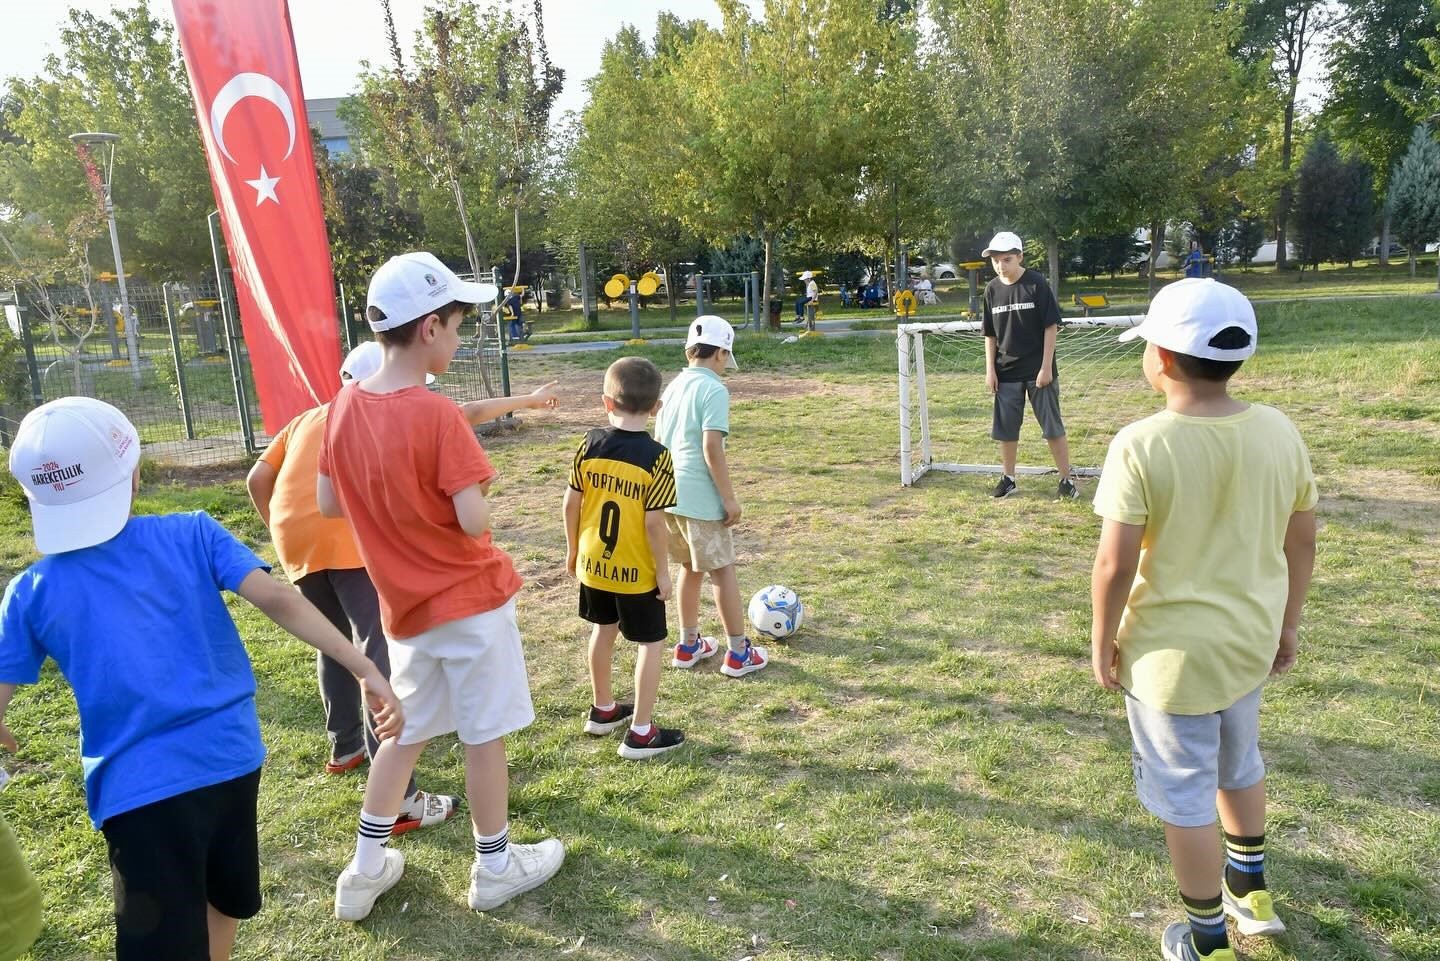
<point x="945" y="410"/>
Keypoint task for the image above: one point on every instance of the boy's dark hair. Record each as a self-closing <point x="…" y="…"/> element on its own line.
<point x="634" y="384"/>
<point x="404" y="335"/>
<point x="702" y="351"/>
<point x="1203" y="368"/>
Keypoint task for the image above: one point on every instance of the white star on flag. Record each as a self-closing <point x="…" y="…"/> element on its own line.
<point x="264" y="187"/>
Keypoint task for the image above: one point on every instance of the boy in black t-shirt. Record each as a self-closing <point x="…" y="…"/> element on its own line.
<point x="620" y="484"/>
<point x="1020" y="324"/>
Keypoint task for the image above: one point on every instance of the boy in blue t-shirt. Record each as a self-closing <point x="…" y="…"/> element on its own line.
<point x="130" y="609"/>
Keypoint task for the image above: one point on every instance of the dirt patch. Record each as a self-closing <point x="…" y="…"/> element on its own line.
<point x="204" y="475"/>
<point x="1392" y="496"/>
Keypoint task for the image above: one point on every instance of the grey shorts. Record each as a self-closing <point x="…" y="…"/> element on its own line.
<point x="1010" y="409"/>
<point x="1180" y="760"/>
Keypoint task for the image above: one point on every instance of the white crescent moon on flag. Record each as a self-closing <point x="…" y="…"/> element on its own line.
<point x="244" y="85"/>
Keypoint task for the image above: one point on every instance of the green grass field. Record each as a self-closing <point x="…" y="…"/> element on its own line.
<point x="928" y="770"/>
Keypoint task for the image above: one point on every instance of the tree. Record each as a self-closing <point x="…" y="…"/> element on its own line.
<point x="1414" y="198"/>
<point x="775" y="130"/>
<point x="1063" y="135"/>
<point x="1371" y="85"/>
<point x="629" y="155"/>
<point x="1333" y="205"/>
<point x="122" y="74"/>
<point x="439" y="127"/>
<point x="366" y="214"/>
<point x="1282" y="32"/>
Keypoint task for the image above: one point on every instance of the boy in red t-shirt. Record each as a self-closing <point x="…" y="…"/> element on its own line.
<point x="402" y="465"/>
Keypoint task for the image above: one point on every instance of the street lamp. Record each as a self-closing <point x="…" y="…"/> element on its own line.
<point x="106" y="142"/>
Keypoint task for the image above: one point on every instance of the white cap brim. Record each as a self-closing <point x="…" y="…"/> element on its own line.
<point x="69" y="527"/>
<point x="1134" y="332"/>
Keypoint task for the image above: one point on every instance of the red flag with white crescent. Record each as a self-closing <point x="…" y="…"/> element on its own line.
<point x="245" y="79"/>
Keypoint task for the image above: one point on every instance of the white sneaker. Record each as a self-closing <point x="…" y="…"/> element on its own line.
<point x="531" y="865"/>
<point x="356" y="894"/>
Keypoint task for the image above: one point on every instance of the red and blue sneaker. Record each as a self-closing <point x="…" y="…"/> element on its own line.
<point x="748" y="661"/>
<point x="688" y="655"/>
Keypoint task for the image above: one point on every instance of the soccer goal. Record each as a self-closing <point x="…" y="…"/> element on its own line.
<point x="945" y="410"/>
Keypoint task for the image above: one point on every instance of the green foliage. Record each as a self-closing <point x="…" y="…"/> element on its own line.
<point x="367" y="216"/>
<point x="1371" y="84"/>
<point x="1334" y="205"/>
<point x="123" y="74"/>
<point x="1414" y="199"/>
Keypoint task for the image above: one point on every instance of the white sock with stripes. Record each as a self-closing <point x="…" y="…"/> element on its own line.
<point x="370" y="843"/>
<point x="493" y="850"/>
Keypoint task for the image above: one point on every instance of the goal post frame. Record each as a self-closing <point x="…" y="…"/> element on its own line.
<point x="910" y="351"/>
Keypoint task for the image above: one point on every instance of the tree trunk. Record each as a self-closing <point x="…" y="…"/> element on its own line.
<point x="1412" y="264"/>
<point x="1052" y="249"/>
<point x="1282" y="211"/>
<point x="1157" y="241"/>
<point x="670" y="292"/>
<point x="1385" y="240"/>
<point x="765" y="284"/>
<point x="516" y="281"/>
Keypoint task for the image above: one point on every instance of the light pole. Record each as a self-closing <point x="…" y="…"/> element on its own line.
<point x="83" y="142"/>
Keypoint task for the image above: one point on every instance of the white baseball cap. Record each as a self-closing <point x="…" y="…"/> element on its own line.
<point x="807" y="275"/>
<point x="715" y="332"/>
<point x="1187" y="314"/>
<point x="1002" y="242"/>
<point x="414" y="285"/>
<point x="365" y="360"/>
<point x="75" y="457"/>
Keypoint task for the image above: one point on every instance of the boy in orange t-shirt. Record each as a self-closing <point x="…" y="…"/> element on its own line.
<point x="403" y="466"/>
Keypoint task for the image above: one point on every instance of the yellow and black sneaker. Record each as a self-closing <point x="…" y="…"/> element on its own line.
<point x="1177" y="945"/>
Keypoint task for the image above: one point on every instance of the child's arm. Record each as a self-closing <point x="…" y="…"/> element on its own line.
<point x="7" y="740"/>
<point x="295" y="614"/>
<point x="659" y="539"/>
<point x="325" y="497"/>
<point x="472" y="510"/>
<point x="260" y="482"/>
<point x="714" y="447"/>
<point x="1116" y="562"/>
<point x="484" y="411"/>
<point x="1300" y="558"/>
<point x="992" y="380"/>
<point x="571" y="509"/>
<point x="1047" y="363"/>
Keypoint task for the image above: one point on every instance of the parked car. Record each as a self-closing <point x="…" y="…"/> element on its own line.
<point x="938" y="271"/>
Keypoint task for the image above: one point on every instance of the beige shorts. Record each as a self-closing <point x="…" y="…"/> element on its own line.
<point x="466" y="676"/>
<point x="700" y="545"/>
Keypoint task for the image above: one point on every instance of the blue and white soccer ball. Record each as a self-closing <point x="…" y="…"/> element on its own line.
<point x="776" y="612"/>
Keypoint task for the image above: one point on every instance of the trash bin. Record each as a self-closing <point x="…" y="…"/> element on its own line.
<point x="776" y="305"/>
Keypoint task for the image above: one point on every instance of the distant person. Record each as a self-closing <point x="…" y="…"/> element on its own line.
<point x="1195" y="260"/>
<point x="1205" y="555"/>
<point x="1020" y="322"/>
<point x="512" y="308"/>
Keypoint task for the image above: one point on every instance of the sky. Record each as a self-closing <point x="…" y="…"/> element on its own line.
<point x="333" y="36"/>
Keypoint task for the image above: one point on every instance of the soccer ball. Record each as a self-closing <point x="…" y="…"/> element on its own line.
<point x="776" y="612"/>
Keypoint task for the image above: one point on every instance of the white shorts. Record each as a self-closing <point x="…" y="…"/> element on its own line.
<point x="466" y="676"/>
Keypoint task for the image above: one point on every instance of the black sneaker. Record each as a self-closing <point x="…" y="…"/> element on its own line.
<point x="605" y="722"/>
<point x="1066" y="489"/>
<point x="658" y="741"/>
<point x="1005" y="488"/>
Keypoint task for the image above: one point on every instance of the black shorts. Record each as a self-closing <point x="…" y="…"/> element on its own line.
<point x="641" y="616"/>
<point x="1010" y="409"/>
<point x="170" y="859"/>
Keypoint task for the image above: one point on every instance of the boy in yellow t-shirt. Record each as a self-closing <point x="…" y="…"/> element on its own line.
<point x="1205" y="556"/>
<point x="616" y="540"/>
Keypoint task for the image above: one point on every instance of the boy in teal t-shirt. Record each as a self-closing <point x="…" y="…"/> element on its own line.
<point x="1204" y="560"/>
<point x="693" y="423"/>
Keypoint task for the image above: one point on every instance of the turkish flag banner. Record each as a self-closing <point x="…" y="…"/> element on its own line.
<point x="245" y="79"/>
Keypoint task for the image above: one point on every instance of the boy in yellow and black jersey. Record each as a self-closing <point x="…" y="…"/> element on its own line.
<point x="620" y="484"/>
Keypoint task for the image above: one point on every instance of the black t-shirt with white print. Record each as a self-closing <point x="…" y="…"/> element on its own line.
<point x="1016" y="315"/>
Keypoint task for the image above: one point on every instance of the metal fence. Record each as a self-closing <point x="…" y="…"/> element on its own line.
<point x="189" y="388"/>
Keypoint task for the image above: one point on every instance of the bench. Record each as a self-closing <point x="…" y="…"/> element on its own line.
<point x="1089" y="302"/>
